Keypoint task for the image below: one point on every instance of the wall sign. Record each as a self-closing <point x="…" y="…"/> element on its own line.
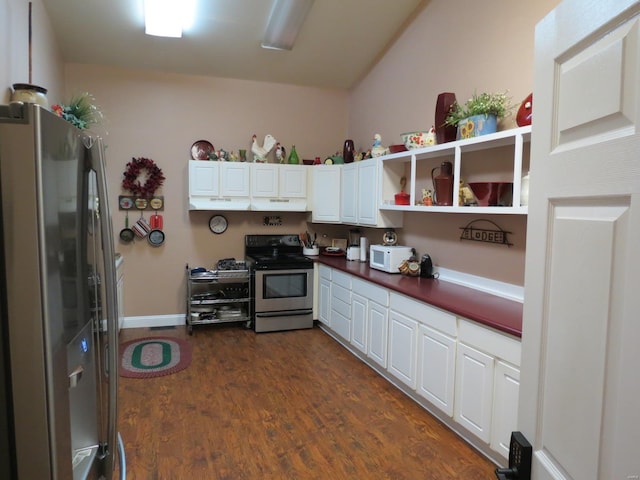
<point x="481" y="231"/>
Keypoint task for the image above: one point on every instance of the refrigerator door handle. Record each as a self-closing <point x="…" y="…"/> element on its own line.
<point x="96" y="153"/>
<point x="75" y="376"/>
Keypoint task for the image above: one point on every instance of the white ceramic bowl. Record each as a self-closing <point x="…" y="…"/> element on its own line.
<point x="418" y="139"/>
<point x="311" y="251"/>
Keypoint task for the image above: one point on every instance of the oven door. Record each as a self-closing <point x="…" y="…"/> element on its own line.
<point x="283" y="290"/>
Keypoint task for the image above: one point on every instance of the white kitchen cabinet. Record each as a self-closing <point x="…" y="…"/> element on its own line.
<point x="340" y="313"/>
<point x="486" y="396"/>
<point x="378" y="333"/>
<point x="218" y="185"/>
<point x="278" y="187"/>
<point x="360" y="197"/>
<point x="506" y="393"/>
<point x="403" y="340"/>
<point x="324" y="295"/>
<point x="467" y="157"/>
<point x="349" y="195"/>
<point x="436" y="368"/>
<point x="359" y="321"/>
<point x="325" y="193"/>
<point x="474" y="391"/>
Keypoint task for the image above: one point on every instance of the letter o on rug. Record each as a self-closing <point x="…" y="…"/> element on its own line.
<point x="154" y="357"/>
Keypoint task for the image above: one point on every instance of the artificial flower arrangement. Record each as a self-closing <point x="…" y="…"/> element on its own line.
<point x="81" y="111"/>
<point x="498" y="104"/>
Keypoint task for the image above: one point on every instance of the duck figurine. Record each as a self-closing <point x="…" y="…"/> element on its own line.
<point x="378" y="150"/>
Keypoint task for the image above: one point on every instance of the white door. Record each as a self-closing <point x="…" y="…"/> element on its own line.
<point x="235" y="179"/>
<point x="349" y="193"/>
<point x="368" y="192"/>
<point x="359" y="322"/>
<point x="264" y="180"/>
<point x="293" y="181"/>
<point x="327" y="181"/>
<point x="581" y="334"/>
<point x="204" y="178"/>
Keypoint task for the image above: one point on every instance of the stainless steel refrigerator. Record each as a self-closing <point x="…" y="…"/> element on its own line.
<point x="58" y="303"/>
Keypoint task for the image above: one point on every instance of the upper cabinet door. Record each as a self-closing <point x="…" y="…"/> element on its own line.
<point x="326" y="193"/>
<point x="368" y="193"/>
<point x="235" y="179"/>
<point x="204" y="178"/>
<point x="264" y="180"/>
<point x="293" y="181"/>
<point x="349" y="200"/>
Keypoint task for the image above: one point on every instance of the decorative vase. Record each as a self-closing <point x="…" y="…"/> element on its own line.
<point x="444" y="133"/>
<point x="525" y="112"/>
<point x="443" y="184"/>
<point x="477" y="125"/>
<point x="293" y="156"/>
<point x="27" y="93"/>
<point x="347" y="151"/>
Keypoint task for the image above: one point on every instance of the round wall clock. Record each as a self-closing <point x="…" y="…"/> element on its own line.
<point x="389" y="238"/>
<point x="218" y="224"/>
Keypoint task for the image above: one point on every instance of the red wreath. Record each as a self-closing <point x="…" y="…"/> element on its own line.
<point x="155" y="177"/>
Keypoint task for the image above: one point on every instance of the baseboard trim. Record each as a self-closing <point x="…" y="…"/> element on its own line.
<point x="154" y="321"/>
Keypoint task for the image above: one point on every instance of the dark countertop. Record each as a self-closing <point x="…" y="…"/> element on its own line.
<point x="490" y="310"/>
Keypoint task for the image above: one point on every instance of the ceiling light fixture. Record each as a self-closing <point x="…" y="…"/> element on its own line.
<point x="285" y="21"/>
<point x="166" y="18"/>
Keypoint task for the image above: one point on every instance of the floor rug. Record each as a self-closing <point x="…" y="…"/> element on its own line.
<point x="154" y="357"/>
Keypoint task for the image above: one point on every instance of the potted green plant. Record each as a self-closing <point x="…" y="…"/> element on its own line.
<point x="480" y="114"/>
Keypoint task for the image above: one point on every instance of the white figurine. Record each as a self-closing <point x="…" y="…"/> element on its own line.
<point x="378" y="150"/>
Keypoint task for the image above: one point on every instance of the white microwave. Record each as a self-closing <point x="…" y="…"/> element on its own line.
<point x="388" y="257"/>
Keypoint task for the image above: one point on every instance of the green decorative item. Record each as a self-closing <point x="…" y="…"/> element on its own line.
<point x="293" y="156"/>
<point x="81" y="111"/>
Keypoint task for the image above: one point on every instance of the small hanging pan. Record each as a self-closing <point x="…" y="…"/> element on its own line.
<point x="156" y="235"/>
<point x="126" y="234"/>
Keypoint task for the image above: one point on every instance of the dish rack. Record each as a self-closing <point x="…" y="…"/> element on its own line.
<point x="218" y="296"/>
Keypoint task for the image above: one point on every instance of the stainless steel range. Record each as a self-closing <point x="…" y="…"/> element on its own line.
<point x="282" y="282"/>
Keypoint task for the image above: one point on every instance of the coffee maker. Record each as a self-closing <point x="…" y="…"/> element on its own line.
<point x="426" y="267"/>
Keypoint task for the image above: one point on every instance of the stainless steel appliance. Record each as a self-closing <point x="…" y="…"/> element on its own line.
<point x="58" y="303"/>
<point x="282" y="282"/>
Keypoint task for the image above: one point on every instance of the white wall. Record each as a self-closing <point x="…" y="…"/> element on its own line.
<point x="452" y="46"/>
<point x="159" y="116"/>
<point x="47" y="64"/>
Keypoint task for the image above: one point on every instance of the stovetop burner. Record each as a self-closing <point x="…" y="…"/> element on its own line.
<point x="266" y="252"/>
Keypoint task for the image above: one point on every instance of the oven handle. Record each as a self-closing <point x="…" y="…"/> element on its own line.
<point x="287" y="313"/>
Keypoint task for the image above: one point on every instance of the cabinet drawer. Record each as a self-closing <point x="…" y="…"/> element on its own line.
<point x="370" y="291"/>
<point x="342" y="307"/>
<point x="490" y="341"/>
<point x="425" y="314"/>
<point x="341" y="293"/>
<point x="324" y="272"/>
<point x="342" y="279"/>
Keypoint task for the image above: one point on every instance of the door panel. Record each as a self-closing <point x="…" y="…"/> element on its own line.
<point x="580" y="330"/>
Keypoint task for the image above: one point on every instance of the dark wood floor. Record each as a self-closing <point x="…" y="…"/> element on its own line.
<point x="286" y="405"/>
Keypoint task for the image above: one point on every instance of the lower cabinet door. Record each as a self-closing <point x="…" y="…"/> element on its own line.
<point x="378" y="333"/>
<point x="359" y="322"/>
<point x="436" y="368"/>
<point x="403" y="333"/>
<point x="505" y="406"/>
<point x="324" y="301"/>
<point x="474" y="391"/>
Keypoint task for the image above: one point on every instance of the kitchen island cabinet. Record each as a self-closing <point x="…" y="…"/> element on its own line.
<point x="462" y="370"/>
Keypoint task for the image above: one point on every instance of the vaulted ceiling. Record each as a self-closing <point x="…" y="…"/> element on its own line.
<point x="339" y="42"/>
